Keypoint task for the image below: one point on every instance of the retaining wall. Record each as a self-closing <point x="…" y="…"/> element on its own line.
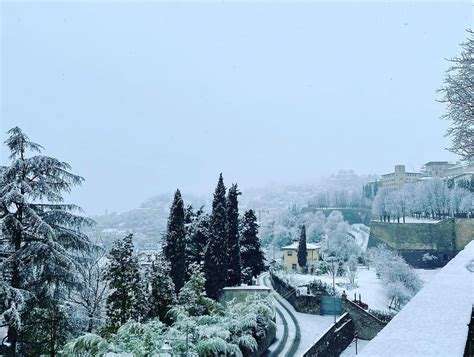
<point x="366" y="324"/>
<point x="334" y="340"/>
<point x="303" y="303"/>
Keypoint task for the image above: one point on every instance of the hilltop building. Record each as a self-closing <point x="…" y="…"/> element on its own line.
<point x="399" y="177"/>
<point x="290" y="256"/>
<point x="433" y="169"/>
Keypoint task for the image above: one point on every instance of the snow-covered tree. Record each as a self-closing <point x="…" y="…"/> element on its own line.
<point x="197" y="236"/>
<point x="216" y="253"/>
<point x="161" y="291"/>
<point x="458" y="94"/>
<point x="302" y="251"/>
<point x="235" y="267"/>
<point x="127" y="300"/>
<point x="380" y="204"/>
<point x="89" y="297"/>
<point x="250" y="249"/>
<point x="174" y="245"/>
<point x="42" y="236"/>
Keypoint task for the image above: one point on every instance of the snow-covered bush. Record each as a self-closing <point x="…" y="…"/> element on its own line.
<point x="235" y="330"/>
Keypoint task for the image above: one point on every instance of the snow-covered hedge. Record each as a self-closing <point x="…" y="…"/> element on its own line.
<point x="236" y="330"/>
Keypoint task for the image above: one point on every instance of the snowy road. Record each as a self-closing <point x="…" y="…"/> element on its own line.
<point x="302" y="329"/>
<point x="287" y="341"/>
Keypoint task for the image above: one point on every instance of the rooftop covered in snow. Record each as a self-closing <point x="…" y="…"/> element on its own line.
<point x="435" y="322"/>
<point x="294" y="245"/>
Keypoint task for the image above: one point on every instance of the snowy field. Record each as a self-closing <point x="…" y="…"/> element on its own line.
<point x="312" y="328"/>
<point x="369" y="287"/>
<point x="350" y="351"/>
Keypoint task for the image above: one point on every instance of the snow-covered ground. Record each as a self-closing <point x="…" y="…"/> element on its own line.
<point x="350" y="351"/>
<point x="361" y="234"/>
<point x="427" y="274"/>
<point x="312" y="328"/>
<point x="369" y="286"/>
<point x="435" y="322"/>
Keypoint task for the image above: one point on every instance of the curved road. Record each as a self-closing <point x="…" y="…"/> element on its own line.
<point x="289" y="343"/>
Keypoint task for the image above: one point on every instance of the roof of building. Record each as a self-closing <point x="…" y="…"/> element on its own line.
<point x="435" y="322"/>
<point x="438" y="163"/>
<point x="294" y="245"/>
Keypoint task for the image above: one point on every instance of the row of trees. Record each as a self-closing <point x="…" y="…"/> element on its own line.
<point x="343" y="198"/>
<point x="432" y="198"/>
<point x="223" y="243"/>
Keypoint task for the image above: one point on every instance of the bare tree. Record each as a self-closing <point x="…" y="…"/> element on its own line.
<point x="92" y="291"/>
<point x="458" y="94"/>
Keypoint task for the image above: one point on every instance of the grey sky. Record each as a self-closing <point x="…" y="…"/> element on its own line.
<point x="143" y="98"/>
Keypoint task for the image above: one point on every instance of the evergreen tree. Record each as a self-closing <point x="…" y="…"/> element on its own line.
<point x="41" y="235"/>
<point x="250" y="250"/>
<point x="197" y="235"/>
<point x="162" y="291"/>
<point x="174" y="247"/>
<point x="127" y="301"/>
<point x="302" y="252"/>
<point x="235" y="267"/>
<point x="215" y="256"/>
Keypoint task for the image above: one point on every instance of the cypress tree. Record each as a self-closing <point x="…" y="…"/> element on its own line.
<point x="216" y="255"/>
<point x="197" y="235"/>
<point x="235" y="268"/>
<point x="302" y="252"/>
<point x="250" y="248"/>
<point x="162" y="291"/>
<point x="127" y="301"/>
<point x="174" y="247"/>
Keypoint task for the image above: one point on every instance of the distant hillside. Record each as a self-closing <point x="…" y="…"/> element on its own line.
<point x="148" y="221"/>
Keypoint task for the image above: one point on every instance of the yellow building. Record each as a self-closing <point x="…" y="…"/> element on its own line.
<point x="290" y="256"/>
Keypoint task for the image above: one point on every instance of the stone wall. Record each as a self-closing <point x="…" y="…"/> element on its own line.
<point x="366" y="324"/>
<point x="414" y="240"/>
<point x="464" y="232"/>
<point x="303" y="303"/>
<point x="334" y="340"/>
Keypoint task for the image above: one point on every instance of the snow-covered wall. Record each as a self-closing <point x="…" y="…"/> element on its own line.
<point x="435" y="322"/>
<point x="414" y="240"/>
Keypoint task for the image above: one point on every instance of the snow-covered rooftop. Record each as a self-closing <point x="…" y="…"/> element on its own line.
<point x="435" y="322"/>
<point x="294" y="245"/>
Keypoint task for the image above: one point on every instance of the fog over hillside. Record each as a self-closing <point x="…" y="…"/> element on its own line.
<point x="148" y="221"/>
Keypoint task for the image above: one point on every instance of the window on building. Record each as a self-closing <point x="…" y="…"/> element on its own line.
<point x="290" y="253"/>
<point x="293" y="267"/>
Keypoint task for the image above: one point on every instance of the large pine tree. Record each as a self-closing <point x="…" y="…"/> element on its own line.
<point x="127" y="300"/>
<point x="235" y="267"/>
<point x="162" y="291"/>
<point x="197" y="235"/>
<point x="250" y="249"/>
<point x="215" y="256"/>
<point x="302" y="251"/>
<point x="174" y="247"/>
<point x="41" y="236"/>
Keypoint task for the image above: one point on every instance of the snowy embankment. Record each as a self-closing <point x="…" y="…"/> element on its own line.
<point x="435" y="322"/>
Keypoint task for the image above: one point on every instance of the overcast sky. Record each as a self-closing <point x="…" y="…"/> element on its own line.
<point x="143" y="98"/>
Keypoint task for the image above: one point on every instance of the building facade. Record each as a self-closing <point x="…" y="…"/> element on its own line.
<point x="290" y="257"/>
<point x="399" y="177"/>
